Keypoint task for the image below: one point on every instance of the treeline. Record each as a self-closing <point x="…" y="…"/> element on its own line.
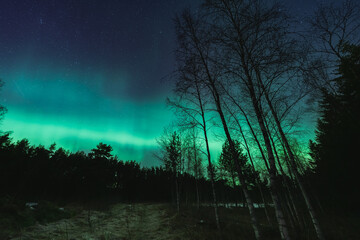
<point x="247" y="72"/>
<point x="334" y="151"/>
<point x="32" y="173"/>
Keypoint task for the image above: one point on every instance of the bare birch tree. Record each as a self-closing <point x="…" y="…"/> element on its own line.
<point x="247" y="30"/>
<point x="195" y="42"/>
<point x="192" y="104"/>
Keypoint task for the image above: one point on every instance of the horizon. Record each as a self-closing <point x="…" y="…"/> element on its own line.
<point x="77" y="75"/>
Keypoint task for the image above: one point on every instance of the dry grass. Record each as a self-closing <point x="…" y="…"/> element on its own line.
<point x="122" y="221"/>
<point x="160" y="221"/>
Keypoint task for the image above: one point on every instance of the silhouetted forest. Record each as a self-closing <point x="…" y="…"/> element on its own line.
<point x="37" y="173"/>
<point x="248" y="70"/>
<point x="334" y="151"/>
<point x="258" y="71"/>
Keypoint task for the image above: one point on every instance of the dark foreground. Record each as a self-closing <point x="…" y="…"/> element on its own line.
<point x="156" y="221"/>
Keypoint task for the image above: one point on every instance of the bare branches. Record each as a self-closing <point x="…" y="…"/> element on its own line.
<point x="333" y="26"/>
<point x="337" y="25"/>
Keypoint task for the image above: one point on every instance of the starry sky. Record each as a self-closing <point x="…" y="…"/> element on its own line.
<point x="80" y="72"/>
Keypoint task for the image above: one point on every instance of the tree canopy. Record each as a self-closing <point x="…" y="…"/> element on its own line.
<point x="337" y="137"/>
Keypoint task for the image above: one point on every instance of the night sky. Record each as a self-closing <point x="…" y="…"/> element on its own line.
<point x="80" y="72"/>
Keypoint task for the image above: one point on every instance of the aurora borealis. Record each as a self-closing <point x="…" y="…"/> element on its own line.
<point x="77" y="73"/>
<point x="82" y="72"/>
<point x="78" y="115"/>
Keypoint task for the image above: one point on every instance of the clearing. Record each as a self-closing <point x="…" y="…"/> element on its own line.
<point x="122" y="221"/>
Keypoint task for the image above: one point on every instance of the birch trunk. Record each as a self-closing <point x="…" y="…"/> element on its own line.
<point x="288" y="195"/>
<point x="252" y="164"/>
<point x="273" y="178"/>
<point x="202" y="111"/>
<point x="216" y="98"/>
<point x="312" y="213"/>
<point x="243" y="184"/>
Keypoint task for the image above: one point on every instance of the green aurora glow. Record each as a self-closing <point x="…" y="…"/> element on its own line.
<point x="77" y="83"/>
<point x="52" y="106"/>
<point x="79" y="74"/>
<point x="132" y="139"/>
<point x="47" y="106"/>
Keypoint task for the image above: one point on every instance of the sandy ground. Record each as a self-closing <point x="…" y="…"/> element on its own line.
<point x="122" y="222"/>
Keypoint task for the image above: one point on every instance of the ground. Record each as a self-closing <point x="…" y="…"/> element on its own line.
<point x="144" y="221"/>
<point x="122" y="221"/>
<point x="147" y="221"/>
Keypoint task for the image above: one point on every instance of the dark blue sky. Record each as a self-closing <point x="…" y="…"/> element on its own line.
<point x="78" y="72"/>
<point x="136" y="36"/>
